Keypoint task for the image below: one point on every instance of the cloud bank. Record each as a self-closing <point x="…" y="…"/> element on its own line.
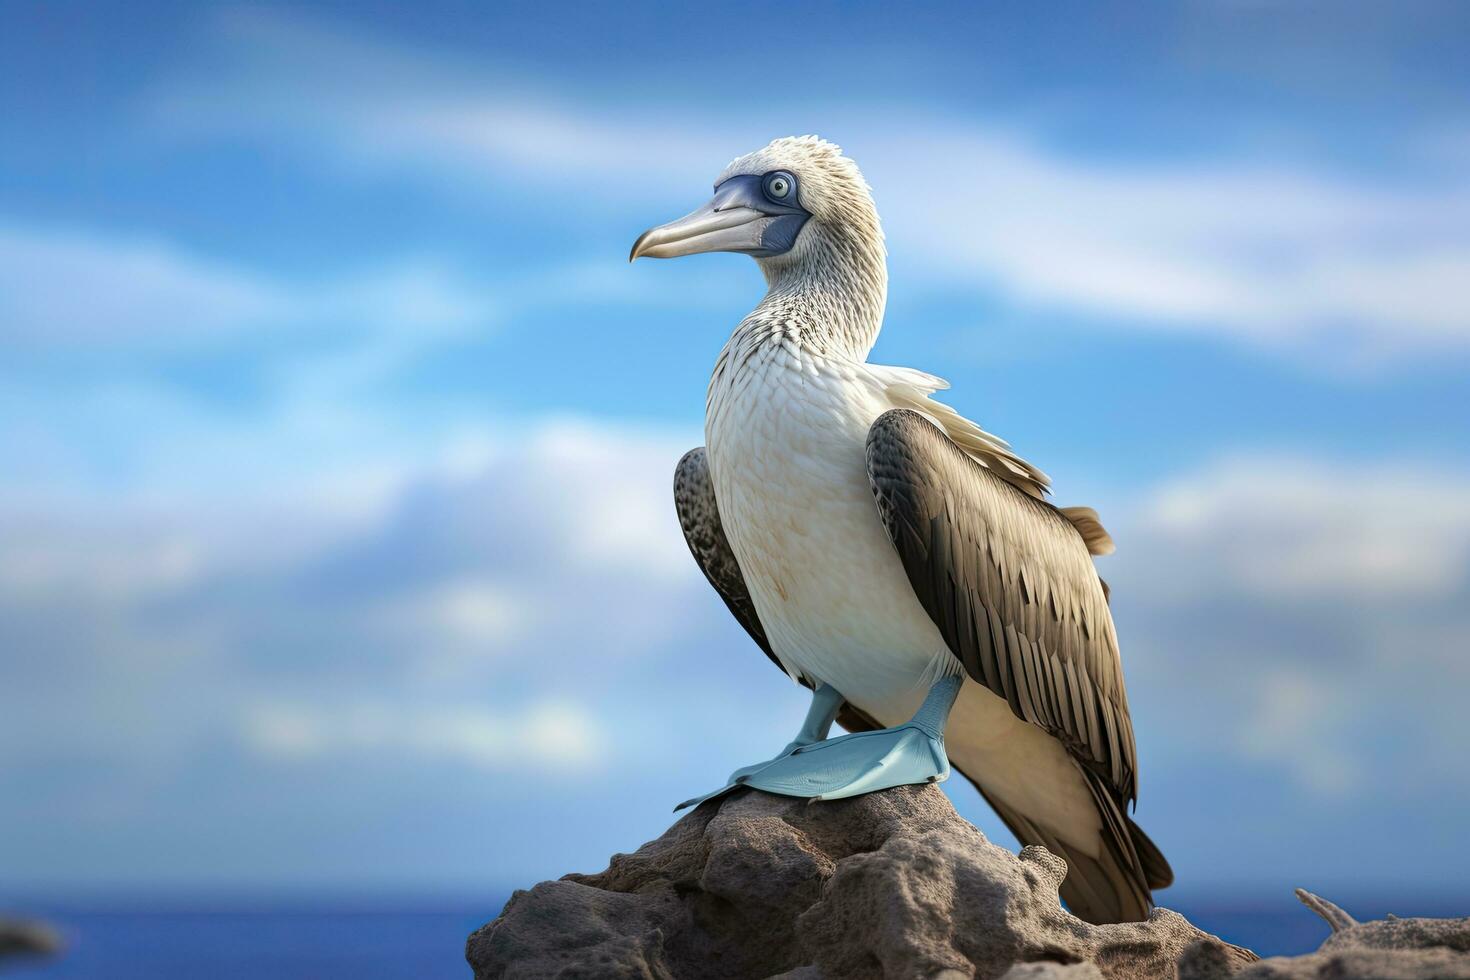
<point x="1303" y="263"/>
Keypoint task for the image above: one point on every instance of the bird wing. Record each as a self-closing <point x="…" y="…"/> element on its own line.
<point x="910" y="388"/>
<point x="1008" y="580"/>
<point x="1010" y="583"/>
<point x="699" y="516"/>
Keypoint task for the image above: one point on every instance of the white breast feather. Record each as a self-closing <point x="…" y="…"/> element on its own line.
<point x="786" y="437"/>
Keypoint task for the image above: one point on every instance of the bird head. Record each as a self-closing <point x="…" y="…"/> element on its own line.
<point x="777" y="204"/>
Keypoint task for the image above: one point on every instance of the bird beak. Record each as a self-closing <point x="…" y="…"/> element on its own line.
<point x="713" y="228"/>
<point x="739" y="218"/>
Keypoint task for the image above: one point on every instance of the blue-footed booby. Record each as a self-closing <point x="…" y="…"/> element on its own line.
<point x="893" y="556"/>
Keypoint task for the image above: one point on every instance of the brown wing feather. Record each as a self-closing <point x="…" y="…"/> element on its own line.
<point x="699" y="517"/>
<point x="1009" y="582"/>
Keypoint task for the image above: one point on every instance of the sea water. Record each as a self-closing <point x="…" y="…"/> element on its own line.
<point x="424" y="940"/>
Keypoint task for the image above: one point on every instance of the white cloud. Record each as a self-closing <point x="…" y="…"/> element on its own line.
<point x="489" y="562"/>
<point x="1287" y="529"/>
<point x="475" y="612"/>
<point x="571" y="494"/>
<point x="394" y="109"/>
<point x="558" y="735"/>
<point x="1274" y="258"/>
<point x="42" y="558"/>
<point x="71" y="290"/>
<point x="613" y="498"/>
<point x="68" y="288"/>
<point x="1297" y="721"/>
<point x="1293" y="611"/>
<point x="1342" y="271"/>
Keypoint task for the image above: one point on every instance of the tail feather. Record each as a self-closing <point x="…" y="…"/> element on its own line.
<point x="1091" y="889"/>
<point x="1156" y="868"/>
<point x="1109" y="888"/>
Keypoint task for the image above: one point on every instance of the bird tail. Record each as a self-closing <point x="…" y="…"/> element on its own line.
<point x="1116" y="885"/>
<point x="1156" y="868"/>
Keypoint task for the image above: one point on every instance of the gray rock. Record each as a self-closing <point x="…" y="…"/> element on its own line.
<point x="20" y="937"/>
<point x="1409" y="949"/>
<point x="1053" y="971"/>
<point x="892" y="884"/>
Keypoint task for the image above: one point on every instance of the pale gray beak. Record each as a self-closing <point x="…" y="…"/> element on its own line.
<point x="710" y="229"/>
<point x="739" y="218"/>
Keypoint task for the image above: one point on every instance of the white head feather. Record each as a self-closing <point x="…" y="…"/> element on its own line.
<point x="838" y="259"/>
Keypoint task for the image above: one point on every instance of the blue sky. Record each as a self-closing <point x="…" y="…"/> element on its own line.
<point x="336" y="546"/>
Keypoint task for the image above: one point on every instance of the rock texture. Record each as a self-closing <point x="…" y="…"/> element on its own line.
<point x="1408" y="949"/>
<point x="892" y="884"/>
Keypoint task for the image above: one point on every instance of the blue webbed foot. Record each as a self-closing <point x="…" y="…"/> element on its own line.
<point x="826" y="702"/>
<point x="695" y="801"/>
<point x="851" y="765"/>
<point x="739" y="776"/>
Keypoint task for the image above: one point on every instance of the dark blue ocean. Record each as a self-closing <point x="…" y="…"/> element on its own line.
<point x="290" y="940"/>
<point x="322" y="940"/>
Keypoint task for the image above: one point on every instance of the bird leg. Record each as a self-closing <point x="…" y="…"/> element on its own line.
<point x="826" y="702"/>
<point x="864" y="762"/>
<point x="821" y="768"/>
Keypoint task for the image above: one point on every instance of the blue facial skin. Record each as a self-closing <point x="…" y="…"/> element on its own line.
<point x="749" y="191"/>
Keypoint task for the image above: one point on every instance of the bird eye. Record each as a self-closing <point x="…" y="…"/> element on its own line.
<point x="778" y="185"/>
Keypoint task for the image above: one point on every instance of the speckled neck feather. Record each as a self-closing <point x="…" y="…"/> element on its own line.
<point x="828" y="292"/>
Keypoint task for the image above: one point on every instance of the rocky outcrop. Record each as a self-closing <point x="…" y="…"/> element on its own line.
<point x="892" y="884"/>
<point x="20" y="937"/>
<point x="1407" y="949"/>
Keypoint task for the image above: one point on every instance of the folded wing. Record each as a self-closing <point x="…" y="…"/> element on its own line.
<point x="1009" y="581"/>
